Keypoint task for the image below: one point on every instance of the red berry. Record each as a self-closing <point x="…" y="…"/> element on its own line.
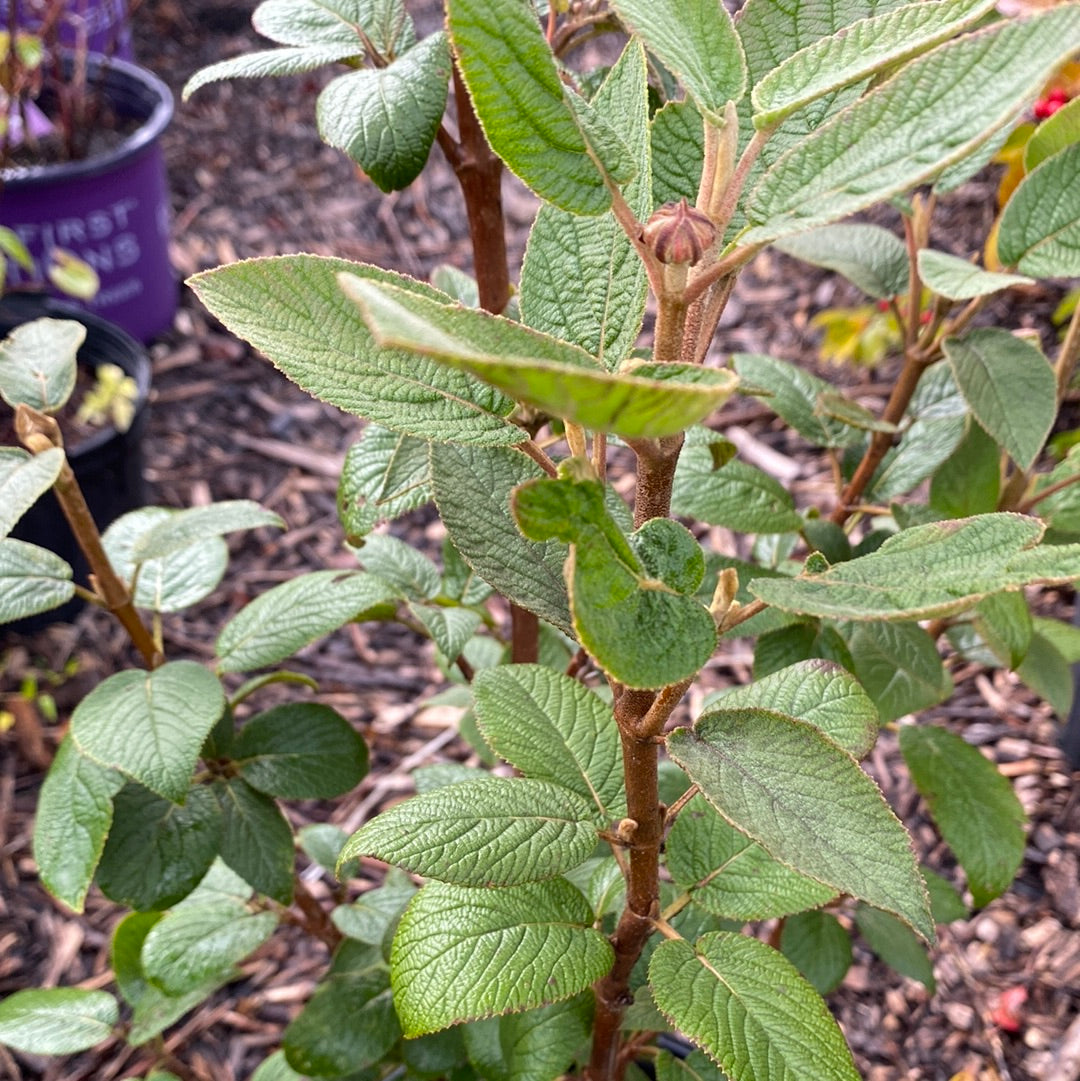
<point x="1057" y="94"/>
<point x="882" y="305"/>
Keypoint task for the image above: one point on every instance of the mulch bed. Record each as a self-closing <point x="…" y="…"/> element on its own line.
<point x="250" y="177"/>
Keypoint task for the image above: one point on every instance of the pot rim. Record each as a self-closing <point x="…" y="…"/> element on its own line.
<point x="115" y="74"/>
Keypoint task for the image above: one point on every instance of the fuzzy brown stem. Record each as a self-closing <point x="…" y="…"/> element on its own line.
<point x="656" y="460"/>
<point x="315" y="920"/>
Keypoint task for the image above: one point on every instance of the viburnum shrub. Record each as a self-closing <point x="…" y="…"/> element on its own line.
<point x="637" y="875"/>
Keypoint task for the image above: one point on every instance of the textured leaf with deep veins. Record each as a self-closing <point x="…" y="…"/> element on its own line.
<point x="386" y="118"/>
<point x="731" y="876"/>
<point x="291" y="308"/>
<point x="384" y="476"/>
<point x="463" y="953"/>
<point x="957" y="279"/>
<point x="858" y="51"/>
<point x="22" y="479"/>
<point x="1010" y="387"/>
<point x="521" y="102"/>
<point x="884" y="144"/>
<point x="197" y="523"/>
<point x="603" y="312"/>
<point x="472" y="487"/>
<point x="57" y="1020"/>
<point x="552" y="728"/>
<point x="678" y="152"/>
<point x="1040" y="226"/>
<point x="867" y="255"/>
<point x="807" y="803"/>
<point x="972" y="804"/>
<point x="928" y="571"/>
<point x="256" y="840"/>
<point x="37" y="363"/>
<point x="748" y="1007"/>
<point x="324" y="22"/>
<point x="498" y="832"/>
<point x="642" y="400"/>
<point x="284" y="619"/>
<point x="150" y="725"/>
<point x="32" y="579"/>
<point x="270" y="62"/>
<point x="74" y="813"/>
<point x="697" y="41"/>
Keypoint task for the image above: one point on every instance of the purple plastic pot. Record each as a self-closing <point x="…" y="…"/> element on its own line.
<point x="102" y="24"/>
<point x="112" y="210"/>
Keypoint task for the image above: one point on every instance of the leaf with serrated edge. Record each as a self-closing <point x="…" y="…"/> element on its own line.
<point x="806" y="802"/>
<point x="150" y="725"/>
<point x="858" y="51"/>
<point x="521" y="103"/>
<point x="869" y="256"/>
<point x="972" y="804"/>
<point x="385" y="118"/>
<point x="883" y="145"/>
<point x="499" y="832"/>
<point x="384" y="475"/>
<point x="552" y="728"/>
<point x="932" y="570"/>
<point x="23" y="478"/>
<point x="37" y="363"/>
<point x="32" y="580"/>
<point x="289" y="616"/>
<point x="724" y="993"/>
<point x="291" y="308"/>
<point x="472" y="487"/>
<point x="270" y="62"/>
<point x="196" y="523"/>
<point x="1039" y="232"/>
<point x="74" y="813"/>
<point x="677" y="142"/>
<point x="817" y="691"/>
<point x="957" y="279"/>
<point x="461" y="953"/>
<point x="57" y="1020"/>
<point x="326" y="22"/>
<point x="731" y="876"/>
<point x="1010" y="387"/>
<point x="640" y="401"/>
<point x="603" y="314"/>
<point x="697" y="41"/>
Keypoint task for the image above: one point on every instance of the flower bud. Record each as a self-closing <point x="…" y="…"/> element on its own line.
<point x="678" y="233"/>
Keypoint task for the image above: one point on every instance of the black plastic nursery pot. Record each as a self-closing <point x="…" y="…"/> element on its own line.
<point x="108" y="465"/>
<point x="111" y="209"/>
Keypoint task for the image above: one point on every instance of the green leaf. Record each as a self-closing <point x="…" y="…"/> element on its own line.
<point x="150" y="725"/>
<point x="74" y="813"/>
<point x="32" y="580"/>
<point x="301" y="750"/>
<point x="499" y="832"/>
<point x="275" y="1068"/>
<point x="57" y="1021"/>
<point x="1010" y="387"/>
<point x="639" y="628"/>
<point x="348" y="1023"/>
<point x="697" y="41"/>
<point x="157" y="852"/>
<point x="819" y="947"/>
<point x="817" y="691"/>
<point x="256" y="840"/>
<point x="898" y="666"/>
<point x="1004" y="623"/>
<point x="37" y="363"/>
<point x="870" y="257"/>
<point x="174" y="582"/>
<point x="552" y="728"/>
<point x="186" y="527"/>
<point x="472" y="487"/>
<point x="945" y="902"/>
<point x="406" y="569"/>
<point x="342" y="22"/>
<point x="972" y="804"/>
<point x="449" y="628"/>
<point x="807" y="803"/>
<point x="858" y="51"/>
<point x="678" y="152"/>
<point x="373" y="913"/>
<point x="969" y="482"/>
<point x="896" y="944"/>
<point x="642" y="400"/>
<point x="1046" y="671"/>
<point x="792" y="393"/>
<point x="929" y="571"/>
<point x="23" y="478"/>
<point x="1064" y="637"/>
<point x="729" y="875"/>
<point x="1054" y="134"/>
<point x="603" y="313"/>
<point x="1040" y="226"/>
<point x="723" y="994"/>
<point x="289" y="616"/>
<point x="884" y="145"/>
<point x="779" y="647"/>
<point x="291" y="309"/>
<point x="958" y="279"/>
<point x="522" y="104"/>
<point x="270" y="62"/>
<point x="384" y="476"/>
<point x="386" y="118"/>
<point x="462" y="953"/>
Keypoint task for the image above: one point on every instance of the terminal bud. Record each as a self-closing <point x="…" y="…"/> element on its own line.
<point x="678" y="233"/>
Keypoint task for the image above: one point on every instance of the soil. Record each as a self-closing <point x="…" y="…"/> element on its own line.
<point x="250" y="177"/>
